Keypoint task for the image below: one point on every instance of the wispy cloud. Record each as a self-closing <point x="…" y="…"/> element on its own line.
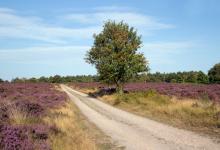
<point x="167" y="47"/>
<point x="157" y="52"/>
<point x="164" y="53"/>
<point x="43" y="54"/>
<point x="135" y="19"/>
<point x="44" y="49"/>
<point x="6" y="10"/>
<point x="14" y="26"/>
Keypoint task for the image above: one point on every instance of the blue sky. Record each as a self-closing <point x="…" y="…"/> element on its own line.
<point x="48" y="37"/>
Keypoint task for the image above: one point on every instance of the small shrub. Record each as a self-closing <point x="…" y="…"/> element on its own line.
<point x="15" y="138"/>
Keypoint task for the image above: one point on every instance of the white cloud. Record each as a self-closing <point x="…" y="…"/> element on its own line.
<point x="156" y="52"/>
<point x="43" y="54"/>
<point x="167" y="47"/>
<point x="135" y="19"/>
<point x="164" y="53"/>
<point x="145" y="24"/>
<point x="45" y="49"/>
<point x="7" y="10"/>
<point x="15" y="26"/>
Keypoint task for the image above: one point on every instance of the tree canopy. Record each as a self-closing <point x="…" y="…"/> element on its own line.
<point x="115" y="55"/>
<point x="214" y="74"/>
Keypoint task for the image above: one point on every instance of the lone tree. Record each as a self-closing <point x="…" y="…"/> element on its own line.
<point x="115" y="55"/>
<point x="214" y="74"/>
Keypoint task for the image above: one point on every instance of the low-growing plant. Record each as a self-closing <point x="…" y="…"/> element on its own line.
<point x="192" y="91"/>
<point x="22" y="107"/>
<point x="196" y="115"/>
<point x="67" y="133"/>
<point x="16" y="116"/>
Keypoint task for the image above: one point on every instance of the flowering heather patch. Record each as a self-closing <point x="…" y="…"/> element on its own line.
<point x="23" y="137"/>
<point x="211" y="91"/>
<point x="197" y="91"/>
<point x="32" y="99"/>
<point x="3" y="115"/>
<point x="13" y="138"/>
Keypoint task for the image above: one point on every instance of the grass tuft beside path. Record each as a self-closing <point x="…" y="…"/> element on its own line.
<point x="68" y="133"/>
<point x="202" y="116"/>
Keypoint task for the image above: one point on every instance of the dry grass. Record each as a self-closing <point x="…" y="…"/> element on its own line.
<point x="201" y="116"/>
<point x="19" y="117"/>
<point x="85" y="90"/>
<point x="69" y="135"/>
<point x="198" y="115"/>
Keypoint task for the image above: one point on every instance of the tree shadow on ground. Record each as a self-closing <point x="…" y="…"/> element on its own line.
<point x="102" y="91"/>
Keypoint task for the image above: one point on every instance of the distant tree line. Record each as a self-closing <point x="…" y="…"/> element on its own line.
<point x="58" y="79"/>
<point x="213" y="76"/>
<point x="176" y="77"/>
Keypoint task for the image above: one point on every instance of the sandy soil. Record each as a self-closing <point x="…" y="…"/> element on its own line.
<point x="134" y="132"/>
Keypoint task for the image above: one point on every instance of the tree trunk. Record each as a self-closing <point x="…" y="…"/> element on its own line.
<point x="119" y="88"/>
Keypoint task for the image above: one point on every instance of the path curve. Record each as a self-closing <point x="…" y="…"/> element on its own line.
<point x="135" y="132"/>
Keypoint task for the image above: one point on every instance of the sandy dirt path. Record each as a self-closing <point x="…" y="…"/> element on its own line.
<point x="135" y="132"/>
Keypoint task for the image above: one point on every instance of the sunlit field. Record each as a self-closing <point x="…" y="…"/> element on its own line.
<point x="39" y="116"/>
<point x="109" y="75"/>
<point x="186" y="106"/>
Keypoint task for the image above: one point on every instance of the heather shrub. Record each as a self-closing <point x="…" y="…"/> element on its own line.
<point x="23" y="137"/>
<point x="32" y="109"/>
<point x="195" y="91"/>
<point x="15" y="138"/>
<point x="4" y="117"/>
<point x="22" y="107"/>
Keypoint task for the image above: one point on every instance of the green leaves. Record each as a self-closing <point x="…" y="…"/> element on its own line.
<point x="114" y="53"/>
<point x="214" y="74"/>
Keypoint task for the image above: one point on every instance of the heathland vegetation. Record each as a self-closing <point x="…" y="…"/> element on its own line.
<point x="190" y="106"/>
<point x="40" y="117"/>
<point x="36" y="114"/>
